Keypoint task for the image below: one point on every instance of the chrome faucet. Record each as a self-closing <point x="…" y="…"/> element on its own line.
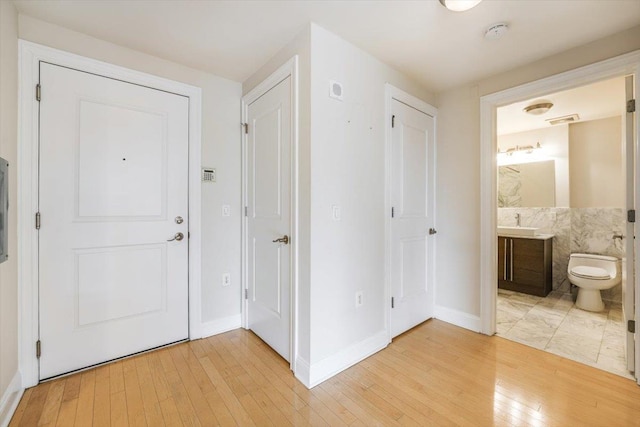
<point x="517" y="220"/>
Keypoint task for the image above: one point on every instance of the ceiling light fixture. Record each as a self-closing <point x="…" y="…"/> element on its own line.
<point x="459" y="5"/>
<point x="538" y="108"/>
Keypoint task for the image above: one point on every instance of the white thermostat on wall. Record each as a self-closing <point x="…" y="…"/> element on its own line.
<point x="208" y="175"/>
<point x="335" y="90"/>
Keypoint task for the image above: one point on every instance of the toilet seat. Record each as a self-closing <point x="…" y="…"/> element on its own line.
<point x="594" y="273"/>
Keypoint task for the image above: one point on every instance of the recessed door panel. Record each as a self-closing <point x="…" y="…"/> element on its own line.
<point x="121" y="156"/>
<point x="115" y="283"/>
<point x="113" y="176"/>
<point x="266" y="160"/>
<point x="414" y="171"/>
<point x="267" y="287"/>
<point x="413" y="277"/>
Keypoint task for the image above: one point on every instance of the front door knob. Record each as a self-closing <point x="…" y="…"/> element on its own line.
<point x="178" y="237"/>
<point x="284" y="239"/>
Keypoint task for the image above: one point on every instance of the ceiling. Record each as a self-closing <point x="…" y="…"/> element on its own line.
<point x="595" y="101"/>
<point x="438" y="48"/>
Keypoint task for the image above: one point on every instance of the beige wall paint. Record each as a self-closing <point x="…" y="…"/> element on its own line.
<point x="595" y="163"/>
<point x="458" y="172"/>
<point x="220" y="149"/>
<point x="8" y="150"/>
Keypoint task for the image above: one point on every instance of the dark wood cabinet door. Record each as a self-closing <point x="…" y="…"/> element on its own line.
<point x="503" y="260"/>
<point x="528" y="262"/>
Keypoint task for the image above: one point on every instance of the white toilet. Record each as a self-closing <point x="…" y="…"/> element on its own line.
<point x="592" y="273"/>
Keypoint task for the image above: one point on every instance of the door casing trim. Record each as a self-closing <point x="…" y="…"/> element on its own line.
<point x="618" y="66"/>
<point x="288" y="69"/>
<point x="390" y="93"/>
<point x="30" y="55"/>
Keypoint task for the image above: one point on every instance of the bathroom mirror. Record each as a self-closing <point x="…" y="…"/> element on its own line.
<point x="529" y="185"/>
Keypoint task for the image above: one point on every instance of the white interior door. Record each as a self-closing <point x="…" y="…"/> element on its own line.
<point x="113" y="181"/>
<point x="412" y="201"/>
<point x="628" y="282"/>
<point x="269" y="217"/>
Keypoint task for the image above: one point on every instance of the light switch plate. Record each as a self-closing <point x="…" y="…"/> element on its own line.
<point x="226" y="210"/>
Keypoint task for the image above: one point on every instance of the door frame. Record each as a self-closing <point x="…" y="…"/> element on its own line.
<point x="615" y="67"/>
<point x="390" y="93"/>
<point x="288" y="69"/>
<point x="30" y="55"/>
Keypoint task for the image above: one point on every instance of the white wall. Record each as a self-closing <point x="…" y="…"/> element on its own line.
<point x="9" y="377"/>
<point x="220" y="149"/>
<point x="341" y="162"/>
<point x="458" y="174"/>
<point x="347" y="169"/>
<point x="555" y="145"/>
<point x="597" y="173"/>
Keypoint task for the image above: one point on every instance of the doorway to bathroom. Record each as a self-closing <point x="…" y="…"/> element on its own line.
<point x="560" y="187"/>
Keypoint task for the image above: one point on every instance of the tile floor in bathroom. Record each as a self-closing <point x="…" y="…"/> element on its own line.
<point x="556" y="325"/>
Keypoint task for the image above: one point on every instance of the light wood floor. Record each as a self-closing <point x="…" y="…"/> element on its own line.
<point x="435" y="374"/>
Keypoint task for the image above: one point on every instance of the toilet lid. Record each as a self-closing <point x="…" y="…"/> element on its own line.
<point x="590" y="272"/>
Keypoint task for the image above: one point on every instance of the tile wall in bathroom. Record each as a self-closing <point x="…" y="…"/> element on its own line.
<point x="586" y="230"/>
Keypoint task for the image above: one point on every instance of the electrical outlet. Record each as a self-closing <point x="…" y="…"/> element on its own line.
<point x="226" y="210"/>
<point x="359" y="298"/>
<point x="226" y="279"/>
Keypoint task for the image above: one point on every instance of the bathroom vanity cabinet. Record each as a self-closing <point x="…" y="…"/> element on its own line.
<point x="524" y="264"/>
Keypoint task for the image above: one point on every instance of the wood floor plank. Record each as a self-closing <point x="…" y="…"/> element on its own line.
<point x="84" y="413"/>
<point x="37" y="400"/>
<point x="135" y="406"/>
<point x="119" y="413"/>
<point x="435" y="374"/>
<point x="52" y="403"/>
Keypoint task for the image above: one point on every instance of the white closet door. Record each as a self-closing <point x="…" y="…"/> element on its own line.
<point x="412" y="199"/>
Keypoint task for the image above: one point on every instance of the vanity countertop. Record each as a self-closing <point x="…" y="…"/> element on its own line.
<point x="536" y="237"/>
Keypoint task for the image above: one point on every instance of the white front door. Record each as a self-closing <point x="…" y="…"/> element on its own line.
<point x="628" y="278"/>
<point x="412" y="222"/>
<point x="113" y="181"/>
<point x="269" y="216"/>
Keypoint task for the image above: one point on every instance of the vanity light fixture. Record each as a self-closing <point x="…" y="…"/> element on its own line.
<point x="528" y="149"/>
<point x="538" y="108"/>
<point x="459" y="5"/>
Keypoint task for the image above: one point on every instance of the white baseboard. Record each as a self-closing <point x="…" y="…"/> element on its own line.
<point x="458" y="318"/>
<point x="302" y="371"/>
<point x="314" y="374"/>
<point x="10" y="399"/>
<point x="219" y="326"/>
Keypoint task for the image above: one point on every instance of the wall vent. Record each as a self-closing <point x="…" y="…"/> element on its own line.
<point x="564" y="119"/>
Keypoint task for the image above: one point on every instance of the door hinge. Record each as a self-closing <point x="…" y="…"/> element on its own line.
<point x="432" y="231"/>
<point x="37" y="220"/>
<point x="393" y="121"/>
<point x="631" y="215"/>
<point x="246" y="211"/>
<point x="631" y="106"/>
<point x="246" y="293"/>
<point x="631" y="326"/>
<point x="38" y="92"/>
<point x="393" y="212"/>
<point x="38" y="349"/>
<point x="392" y="303"/>
<point x="246" y="128"/>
